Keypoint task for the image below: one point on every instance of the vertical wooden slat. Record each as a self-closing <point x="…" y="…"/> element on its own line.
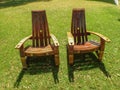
<point x="76" y="33"/>
<point x="36" y="30"/>
<point x="41" y="28"/>
<point x="73" y="27"/>
<point x="82" y="27"/>
<point x="78" y="28"/>
<point x="33" y="27"/>
<point x="45" y="32"/>
<point x="85" y="25"/>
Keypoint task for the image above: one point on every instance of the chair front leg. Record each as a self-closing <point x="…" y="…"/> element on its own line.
<point x="22" y="56"/>
<point x="70" y="54"/>
<point x="56" y="55"/>
<point x="101" y="50"/>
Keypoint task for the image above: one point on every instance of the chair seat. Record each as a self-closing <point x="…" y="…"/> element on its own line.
<point x="87" y="47"/>
<point x="39" y="51"/>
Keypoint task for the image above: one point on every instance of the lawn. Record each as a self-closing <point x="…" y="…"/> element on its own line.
<point x="102" y="16"/>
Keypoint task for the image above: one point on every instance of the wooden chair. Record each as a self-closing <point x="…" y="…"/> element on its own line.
<point x="78" y="38"/>
<point x="41" y="40"/>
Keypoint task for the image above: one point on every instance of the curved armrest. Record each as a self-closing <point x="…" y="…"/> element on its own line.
<point x="70" y="38"/>
<point x="100" y="35"/>
<point x="55" y="41"/>
<point x="22" y="42"/>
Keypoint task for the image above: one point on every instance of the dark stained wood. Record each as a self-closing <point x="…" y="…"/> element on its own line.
<point x="78" y="26"/>
<point x="78" y="38"/>
<point x="41" y="40"/>
<point x="32" y="51"/>
<point x="41" y="35"/>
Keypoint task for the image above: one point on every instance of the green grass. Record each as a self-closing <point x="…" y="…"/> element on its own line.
<point x="15" y="23"/>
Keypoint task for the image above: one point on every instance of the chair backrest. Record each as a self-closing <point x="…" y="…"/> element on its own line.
<point x="40" y="29"/>
<point x="78" y="26"/>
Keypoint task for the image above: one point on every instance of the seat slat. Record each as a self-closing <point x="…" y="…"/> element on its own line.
<point x="87" y="47"/>
<point x="30" y="51"/>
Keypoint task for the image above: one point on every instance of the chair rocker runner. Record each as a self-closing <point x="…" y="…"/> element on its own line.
<point x="78" y="38"/>
<point x="41" y="40"/>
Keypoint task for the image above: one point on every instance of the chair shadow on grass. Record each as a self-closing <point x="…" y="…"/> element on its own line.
<point x="106" y="1"/>
<point x="39" y="65"/>
<point x="86" y="62"/>
<point x="13" y="3"/>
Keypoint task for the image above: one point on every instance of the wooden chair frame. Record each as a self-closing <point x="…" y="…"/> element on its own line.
<point x="97" y="47"/>
<point x="39" y="50"/>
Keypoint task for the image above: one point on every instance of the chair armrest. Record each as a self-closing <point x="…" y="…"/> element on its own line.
<point x="70" y="38"/>
<point x="100" y="35"/>
<point x="55" y="41"/>
<point x="23" y="41"/>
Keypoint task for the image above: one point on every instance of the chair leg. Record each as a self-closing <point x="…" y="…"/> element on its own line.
<point x="101" y="50"/>
<point x="70" y="58"/>
<point x="22" y="56"/>
<point x="70" y="55"/>
<point x="101" y="55"/>
<point x="24" y="64"/>
<point x="56" y="57"/>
